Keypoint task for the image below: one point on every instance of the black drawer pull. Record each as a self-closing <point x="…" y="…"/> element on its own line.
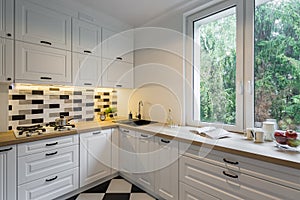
<point x="87" y="84"/>
<point x="51" y="144"/>
<point x="118" y="85"/>
<point x="45" y="42"/>
<point x="8" y="34"/>
<point x="3" y="150"/>
<point x="119" y="58"/>
<point x="143" y="135"/>
<point x="125" y="131"/>
<point x="87" y="51"/>
<point x="97" y="132"/>
<point x="46" y="78"/>
<point x="165" y="141"/>
<point x="230" y="175"/>
<point x="51" y="154"/>
<point x="51" y="179"/>
<point x="8" y="79"/>
<point x="230" y="162"/>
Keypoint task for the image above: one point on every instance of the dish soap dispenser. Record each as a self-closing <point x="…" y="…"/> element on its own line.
<point x="170" y="119"/>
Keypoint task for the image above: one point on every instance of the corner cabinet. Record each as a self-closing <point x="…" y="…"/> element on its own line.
<point x="42" y="64"/>
<point x="95" y="156"/>
<point x="8" y="179"/>
<point x="7" y="18"/>
<point x="40" y="25"/>
<point x="6" y="60"/>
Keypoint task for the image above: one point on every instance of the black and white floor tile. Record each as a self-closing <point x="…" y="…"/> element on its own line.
<point x="115" y="189"/>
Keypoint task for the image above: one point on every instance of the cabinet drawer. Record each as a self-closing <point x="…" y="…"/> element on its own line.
<point x="189" y="193"/>
<point x="42" y="64"/>
<point x="46" y="145"/>
<point x="219" y="181"/>
<point x="36" y="166"/>
<point x="50" y="187"/>
<point x="40" y="25"/>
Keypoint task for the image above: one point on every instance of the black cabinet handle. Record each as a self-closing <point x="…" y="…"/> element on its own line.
<point x="51" y="179"/>
<point x="46" y="78"/>
<point x="143" y="135"/>
<point x="87" y="84"/>
<point x="230" y="162"/>
<point x="165" y="141"/>
<point x="119" y="58"/>
<point x="51" y="144"/>
<point x="97" y="132"/>
<point x="3" y="150"/>
<point x="118" y="85"/>
<point x="8" y="34"/>
<point x="8" y="79"/>
<point x="87" y="51"/>
<point x="125" y="131"/>
<point x="230" y="175"/>
<point x="45" y="42"/>
<point x="51" y="154"/>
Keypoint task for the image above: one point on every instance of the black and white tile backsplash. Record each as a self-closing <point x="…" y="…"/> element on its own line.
<point x="32" y="104"/>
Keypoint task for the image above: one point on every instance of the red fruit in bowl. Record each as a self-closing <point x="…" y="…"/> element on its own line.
<point x="280" y="137"/>
<point x="291" y="134"/>
<point x="279" y="133"/>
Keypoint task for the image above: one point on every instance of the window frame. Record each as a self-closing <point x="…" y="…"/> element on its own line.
<point x="244" y="61"/>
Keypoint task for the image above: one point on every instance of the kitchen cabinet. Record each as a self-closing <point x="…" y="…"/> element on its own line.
<point x="8" y="179"/>
<point x="95" y="156"/>
<point x="166" y="163"/>
<point x="40" y="64"/>
<point x="86" y="70"/>
<point x="7" y="18"/>
<point x="145" y="160"/>
<point x="6" y="60"/>
<point x="117" y="73"/>
<point x="86" y="38"/>
<point x="230" y="176"/>
<point x="115" y="146"/>
<point x="48" y="168"/>
<point x="40" y="25"/>
<point x="118" y="46"/>
<point x="189" y="193"/>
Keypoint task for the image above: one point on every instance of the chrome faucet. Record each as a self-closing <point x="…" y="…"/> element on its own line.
<point x="139" y="116"/>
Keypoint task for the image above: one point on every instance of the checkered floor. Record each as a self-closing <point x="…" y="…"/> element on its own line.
<point x="115" y="189"/>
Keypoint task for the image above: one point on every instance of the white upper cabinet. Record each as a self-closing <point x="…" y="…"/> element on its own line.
<point x="117" y="74"/>
<point x="40" y="64"/>
<point x="6" y="18"/>
<point x="86" y="70"/>
<point x="40" y="25"/>
<point x="6" y="60"/>
<point x="117" y="45"/>
<point x="86" y="38"/>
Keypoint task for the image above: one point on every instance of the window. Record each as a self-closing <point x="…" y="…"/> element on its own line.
<point x="245" y="64"/>
<point x="277" y="62"/>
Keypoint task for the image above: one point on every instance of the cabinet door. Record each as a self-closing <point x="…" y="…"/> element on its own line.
<point x="166" y="176"/>
<point x="189" y="193"/>
<point x="95" y="156"/>
<point x="6" y="60"/>
<point x="117" y="45"/>
<point x="145" y="160"/>
<point x="6" y="18"/>
<point x="8" y="184"/>
<point x="35" y="166"/>
<point x="40" y="25"/>
<point x="50" y="187"/>
<point x="42" y="64"/>
<point x="127" y="151"/>
<point x="86" y="70"/>
<point x="115" y="150"/>
<point x="117" y="74"/>
<point x="86" y="38"/>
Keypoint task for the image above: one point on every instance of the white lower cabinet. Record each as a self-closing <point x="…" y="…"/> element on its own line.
<point x="95" y="156"/>
<point x="50" y="187"/>
<point x="48" y="168"/>
<point x="8" y="184"/>
<point x="189" y="193"/>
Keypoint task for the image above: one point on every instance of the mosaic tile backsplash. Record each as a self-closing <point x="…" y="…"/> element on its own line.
<point x="33" y="104"/>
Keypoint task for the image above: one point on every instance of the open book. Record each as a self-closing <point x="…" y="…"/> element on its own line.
<point x="211" y="132"/>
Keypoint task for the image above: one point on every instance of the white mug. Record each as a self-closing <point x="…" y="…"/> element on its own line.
<point x="249" y="133"/>
<point x="259" y="136"/>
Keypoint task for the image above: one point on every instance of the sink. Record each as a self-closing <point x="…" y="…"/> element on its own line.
<point x="135" y="122"/>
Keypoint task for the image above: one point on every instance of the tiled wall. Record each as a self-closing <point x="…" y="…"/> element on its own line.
<point x="34" y="104"/>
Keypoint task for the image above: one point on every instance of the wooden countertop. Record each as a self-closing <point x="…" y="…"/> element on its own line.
<point x="236" y="144"/>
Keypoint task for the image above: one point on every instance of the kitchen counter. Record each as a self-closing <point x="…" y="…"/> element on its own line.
<point x="236" y="144"/>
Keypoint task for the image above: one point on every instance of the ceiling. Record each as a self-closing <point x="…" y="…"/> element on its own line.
<point x="133" y="12"/>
